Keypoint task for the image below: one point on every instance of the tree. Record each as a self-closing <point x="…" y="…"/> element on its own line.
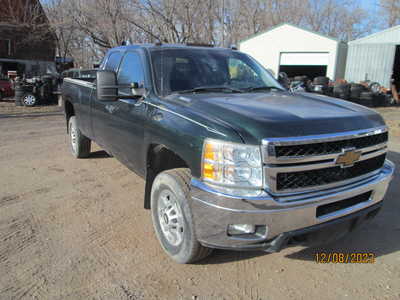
<point x="26" y="19"/>
<point x="60" y="14"/>
<point x="342" y="19"/>
<point x="102" y="24"/>
<point x="391" y="11"/>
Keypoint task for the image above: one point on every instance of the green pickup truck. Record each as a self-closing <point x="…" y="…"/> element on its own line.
<point x="231" y="159"/>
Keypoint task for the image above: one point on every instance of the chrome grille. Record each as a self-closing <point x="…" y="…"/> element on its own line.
<point x="302" y="164"/>
<point x="311" y="178"/>
<point x="330" y="147"/>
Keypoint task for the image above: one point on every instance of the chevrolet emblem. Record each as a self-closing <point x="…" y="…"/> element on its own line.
<point x="348" y="157"/>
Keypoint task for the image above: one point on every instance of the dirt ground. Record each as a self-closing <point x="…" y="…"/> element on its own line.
<point x="76" y="229"/>
<point x="8" y="107"/>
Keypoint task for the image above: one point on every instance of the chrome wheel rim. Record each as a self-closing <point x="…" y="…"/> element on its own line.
<point x="170" y="218"/>
<point x="29" y="100"/>
<point x="74" y="138"/>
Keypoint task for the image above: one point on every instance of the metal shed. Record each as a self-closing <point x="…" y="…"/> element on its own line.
<point x="375" y="57"/>
<point x="297" y="51"/>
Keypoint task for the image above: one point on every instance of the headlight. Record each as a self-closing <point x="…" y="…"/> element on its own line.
<point x="232" y="168"/>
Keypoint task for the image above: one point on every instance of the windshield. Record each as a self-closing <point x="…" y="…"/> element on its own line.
<point x="196" y="70"/>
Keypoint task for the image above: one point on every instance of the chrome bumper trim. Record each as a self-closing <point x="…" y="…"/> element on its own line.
<point x="310" y="139"/>
<point x="213" y="212"/>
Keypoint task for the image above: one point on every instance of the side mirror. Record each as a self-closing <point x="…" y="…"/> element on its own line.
<point x="107" y="89"/>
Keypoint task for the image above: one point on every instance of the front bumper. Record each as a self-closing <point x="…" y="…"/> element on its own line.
<point x="287" y="220"/>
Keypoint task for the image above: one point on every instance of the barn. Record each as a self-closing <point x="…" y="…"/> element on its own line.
<point x="375" y="58"/>
<point x="297" y="51"/>
<point x="27" y="45"/>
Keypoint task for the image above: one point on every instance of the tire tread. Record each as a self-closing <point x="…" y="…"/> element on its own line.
<point x="182" y="176"/>
<point x="84" y="143"/>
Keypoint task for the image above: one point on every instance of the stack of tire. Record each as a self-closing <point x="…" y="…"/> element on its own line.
<point x="47" y="88"/>
<point x="19" y="93"/>
<point x="361" y="95"/>
<point x="365" y="95"/>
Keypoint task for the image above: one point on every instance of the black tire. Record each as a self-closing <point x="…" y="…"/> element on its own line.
<point x="80" y="144"/>
<point x="342" y="87"/>
<point x="321" y="80"/>
<point x="29" y="100"/>
<point x="366" y="99"/>
<point x="169" y="198"/>
<point x="303" y="78"/>
<point x="342" y="91"/>
<point x="366" y="95"/>
<point x="356" y="90"/>
<point x="379" y="100"/>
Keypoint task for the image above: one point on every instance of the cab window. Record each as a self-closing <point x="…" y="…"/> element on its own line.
<point x="241" y="72"/>
<point x="131" y="71"/>
<point x="113" y="61"/>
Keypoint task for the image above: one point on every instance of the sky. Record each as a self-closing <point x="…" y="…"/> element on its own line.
<point x="370" y="5"/>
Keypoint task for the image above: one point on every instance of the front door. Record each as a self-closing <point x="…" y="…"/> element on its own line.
<point x="121" y="123"/>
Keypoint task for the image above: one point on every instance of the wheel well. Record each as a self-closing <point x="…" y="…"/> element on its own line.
<point x="69" y="111"/>
<point x="159" y="159"/>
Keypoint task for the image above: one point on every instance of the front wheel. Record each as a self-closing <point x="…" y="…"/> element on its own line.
<point x="172" y="217"/>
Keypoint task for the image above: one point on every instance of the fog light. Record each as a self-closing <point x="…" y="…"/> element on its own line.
<point x="236" y="229"/>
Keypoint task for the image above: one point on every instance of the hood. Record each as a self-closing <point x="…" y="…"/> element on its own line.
<point x="256" y="116"/>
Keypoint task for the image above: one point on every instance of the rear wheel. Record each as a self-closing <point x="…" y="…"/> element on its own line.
<point x="80" y="144"/>
<point x="172" y="217"/>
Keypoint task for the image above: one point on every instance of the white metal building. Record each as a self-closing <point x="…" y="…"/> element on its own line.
<point x="297" y="51"/>
<point x="375" y="57"/>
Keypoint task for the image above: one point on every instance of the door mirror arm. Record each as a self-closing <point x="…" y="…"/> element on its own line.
<point x="146" y="92"/>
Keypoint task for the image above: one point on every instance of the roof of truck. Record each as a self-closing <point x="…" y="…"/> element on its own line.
<point x="160" y="46"/>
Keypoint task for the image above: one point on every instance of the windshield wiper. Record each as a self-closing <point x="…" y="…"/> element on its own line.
<point x="260" y="88"/>
<point x="221" y="88"/>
